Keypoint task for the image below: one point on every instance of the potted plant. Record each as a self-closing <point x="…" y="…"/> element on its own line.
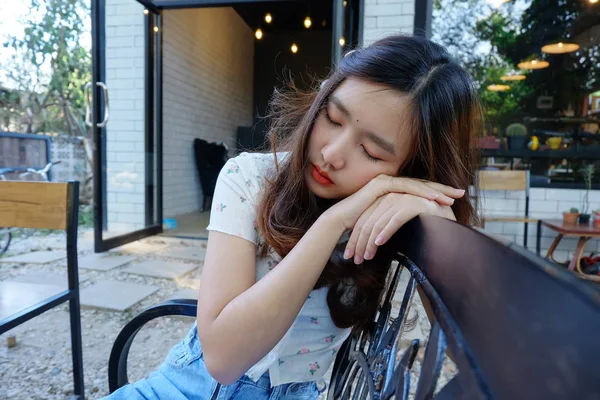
<point x="588" y="173"/>
<point x="517" y="136"/>
<point x="597" y="218"/>
<point x="570" y="217"/>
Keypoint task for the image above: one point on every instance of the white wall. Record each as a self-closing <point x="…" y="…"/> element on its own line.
<point x="208" y="74"/>
<point x="386" y="17"/>
<point x="125" y="129"/>
<point x="543" y="203"/>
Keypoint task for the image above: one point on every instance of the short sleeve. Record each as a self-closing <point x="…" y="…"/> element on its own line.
<point x="233" y="208"/>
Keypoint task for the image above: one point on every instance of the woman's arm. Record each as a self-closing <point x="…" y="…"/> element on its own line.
<point x="240" y="320"/>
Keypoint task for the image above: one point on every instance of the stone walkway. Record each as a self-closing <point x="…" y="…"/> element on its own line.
<point x="115" y="286"/>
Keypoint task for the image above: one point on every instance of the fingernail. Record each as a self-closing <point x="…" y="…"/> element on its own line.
<point x="379" y="240"/>
<point x="357" y="259"/>
<point x="460" y="192"/>
<point x="347" y="254"/>
<point x="434" y="195"/>
<point x="368" y="255"/>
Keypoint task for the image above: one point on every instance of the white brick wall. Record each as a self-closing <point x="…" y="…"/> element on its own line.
<point x="208" y="75"/>
<point x="386" y="17"/>
<point x="543" y="203"/>
<point x="125" y="130"/>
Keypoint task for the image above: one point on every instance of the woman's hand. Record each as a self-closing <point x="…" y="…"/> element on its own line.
<point x="384" y="218"/>
<point x="349" y="210"/>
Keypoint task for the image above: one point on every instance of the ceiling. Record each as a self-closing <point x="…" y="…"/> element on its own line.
<point x="287" y="15"/>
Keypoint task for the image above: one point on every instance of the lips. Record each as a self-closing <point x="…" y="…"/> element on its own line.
<point x="321" y="176"/>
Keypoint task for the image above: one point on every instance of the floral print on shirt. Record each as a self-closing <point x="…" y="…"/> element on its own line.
<point x="313" y="367"/>
<point x="303" y="351"/>
<point x="329" y="338"/>
<point x="220" y="207"/>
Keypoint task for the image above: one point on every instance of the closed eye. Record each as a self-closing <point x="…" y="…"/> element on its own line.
<point x="332" y="122"/>
<point x="370" y="157"/>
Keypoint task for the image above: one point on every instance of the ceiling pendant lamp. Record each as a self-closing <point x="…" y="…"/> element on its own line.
<point x="560" y="48"/>
<point x="533" y="64"/>
<point x="498" y="88"/>
<point x="513" y="77"/>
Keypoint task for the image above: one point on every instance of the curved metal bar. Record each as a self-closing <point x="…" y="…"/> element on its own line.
<point x="117" y="362"/>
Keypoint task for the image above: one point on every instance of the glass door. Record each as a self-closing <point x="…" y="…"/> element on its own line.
<point x="125" y="115"/>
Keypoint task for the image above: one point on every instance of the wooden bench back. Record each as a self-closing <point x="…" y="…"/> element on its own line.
<point x="503" y="180"/>
<point x="40" y="205"/>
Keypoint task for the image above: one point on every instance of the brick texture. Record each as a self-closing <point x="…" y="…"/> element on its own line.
<point x="386" y="17"/>
<point x="543" y="203"/>
<point x="207" y="88"/>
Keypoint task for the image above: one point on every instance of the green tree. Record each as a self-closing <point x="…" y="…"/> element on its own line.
<point x="50" y="68"/>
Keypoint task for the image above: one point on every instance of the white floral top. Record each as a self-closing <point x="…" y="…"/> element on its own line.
<point x="307" y="350"/>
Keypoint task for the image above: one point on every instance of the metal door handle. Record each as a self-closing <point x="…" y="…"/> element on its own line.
<point x="88" y="108"/>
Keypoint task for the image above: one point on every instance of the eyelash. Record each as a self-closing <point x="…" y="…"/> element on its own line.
<point x="332" y="122"/>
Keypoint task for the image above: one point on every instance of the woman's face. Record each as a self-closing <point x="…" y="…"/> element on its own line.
<point x="362" y="132"/>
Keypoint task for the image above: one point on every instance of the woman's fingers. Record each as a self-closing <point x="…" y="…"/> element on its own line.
<point x="350" y="250"/>
<point x="442" y="194"/>
<point x="376" y="238"/>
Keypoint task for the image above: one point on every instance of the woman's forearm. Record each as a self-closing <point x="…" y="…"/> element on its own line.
<point x="252" y="324"/>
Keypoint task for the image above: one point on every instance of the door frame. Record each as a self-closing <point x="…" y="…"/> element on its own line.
<point x="152" y="127"/>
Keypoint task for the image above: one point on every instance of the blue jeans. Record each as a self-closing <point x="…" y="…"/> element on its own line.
<point x="183" y="376"/>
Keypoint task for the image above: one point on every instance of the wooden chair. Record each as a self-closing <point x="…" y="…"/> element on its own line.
<point x="45" y="205"/>
<point x="513" y="323"/>
<point x="506" y="180"/>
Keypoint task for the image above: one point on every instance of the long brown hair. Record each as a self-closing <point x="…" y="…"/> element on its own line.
<point x="445" y="115"/>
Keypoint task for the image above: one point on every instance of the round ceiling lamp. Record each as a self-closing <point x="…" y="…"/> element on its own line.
<point x="258" y="34"/>
<point x="268" y="18"/>
<point x="294" y="48"/>
<point x="560" y="48"/>
<point x="513" y="77"/>
<point x="498" y="88"/>
<point x="307" y="22"/>
<point x="533" y="64"/>
<point x="342" y="41"/>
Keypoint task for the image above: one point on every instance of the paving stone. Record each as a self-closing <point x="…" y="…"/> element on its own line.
<point x="192" y="253"/>
<point x="103" y="262"/>
<point x="184" y="294"/>
<point x="139" y="248"/>
<point x="17" y="296"/>
<point x="161" y="269"/>
<point x="36" y="257"/>
<point x="47" y="278"/>
<point x="111" y="295"/>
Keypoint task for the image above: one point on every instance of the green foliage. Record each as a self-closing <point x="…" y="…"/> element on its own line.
<point x="516" y="130"/>
<point x="86" y="217"/>
<point x="574" y="210"/>
<point x="52" y="101"/>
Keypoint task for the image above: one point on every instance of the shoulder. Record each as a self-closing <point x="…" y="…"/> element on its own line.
<point x="253" y="166"/>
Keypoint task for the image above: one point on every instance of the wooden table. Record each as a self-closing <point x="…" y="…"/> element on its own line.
<point x="583" y="232"/>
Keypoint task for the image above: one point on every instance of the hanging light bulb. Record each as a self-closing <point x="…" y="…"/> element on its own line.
<point x="145" y="12"/>
<point x="307" y="22"/>
<point x="342" y="41"/>
<point x="593" y="1"/>
<point x="560" y="48"/>
<point x="156" y="29"/>
<point x="268" y="18"/>
<point x="258" y="34"/>
<point x="294" y="48"/>
<point x="345" y="3"/>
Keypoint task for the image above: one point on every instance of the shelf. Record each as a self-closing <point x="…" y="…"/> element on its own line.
<point x="591" y="154"/>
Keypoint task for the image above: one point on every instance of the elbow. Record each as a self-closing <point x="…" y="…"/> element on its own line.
<point x="220" y="370"/>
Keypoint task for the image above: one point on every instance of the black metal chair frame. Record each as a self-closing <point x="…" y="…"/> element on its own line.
<point x="71" y="294"/>
<point x="487" y="348"/>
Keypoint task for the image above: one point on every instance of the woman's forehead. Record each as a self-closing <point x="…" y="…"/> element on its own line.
<point x="376" y="108"/>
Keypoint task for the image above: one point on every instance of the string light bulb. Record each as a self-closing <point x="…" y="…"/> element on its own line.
<point x="145" y="12"/>
<point x="156" y="29"/>
<point x="307" y="22"/>
<point x="258" y="34"/>
<point x="294" y="48"/>
<point x="268" y="18"/>
<point x="342" y="41"/>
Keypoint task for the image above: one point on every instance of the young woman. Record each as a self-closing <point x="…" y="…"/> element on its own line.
<point x="296" y="256"/>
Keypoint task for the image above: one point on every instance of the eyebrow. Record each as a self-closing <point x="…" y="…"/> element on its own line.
<point x="379" y="141"/>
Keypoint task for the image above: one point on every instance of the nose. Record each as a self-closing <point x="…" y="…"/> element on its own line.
<point x="333" y="153"/>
